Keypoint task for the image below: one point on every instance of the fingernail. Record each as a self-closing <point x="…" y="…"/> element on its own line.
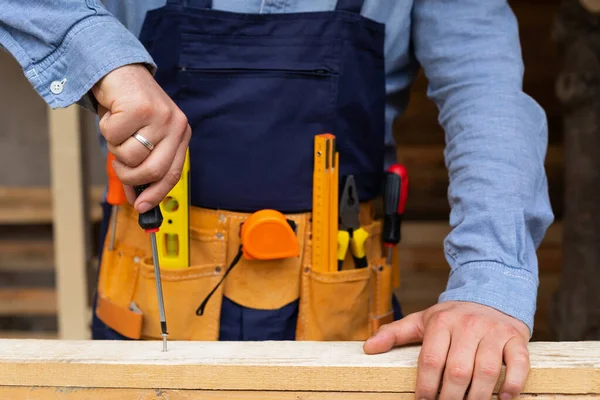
<point x="143" y="207"/>
<point x="505" y="396"/>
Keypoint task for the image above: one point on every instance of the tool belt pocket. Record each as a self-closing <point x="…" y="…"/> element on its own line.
<point x="183" y="292"/>
<point x="350" y="304"/>
<point x="127" y="299"/>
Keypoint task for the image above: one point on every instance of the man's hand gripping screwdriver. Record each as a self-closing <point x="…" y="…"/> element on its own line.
<point x="394" y="201"/>
<point x="151" y="221"/>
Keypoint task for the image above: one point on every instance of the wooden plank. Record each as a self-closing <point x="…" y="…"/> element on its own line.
<point x="428" y="196"/>
<point x="28" y="301"/>
<point x="424" y="258"/>
<point x="33" y="205"/>
<point x="53" y="393"/>
<point x="71" y="223"/>
<point x="432" y="233"/>
<point x="577" y="307"/>
<point x="419" y="125"/>
<point x="556" y="368"/>
<point x="26" y="255"/>
<point x="27" y="335"/>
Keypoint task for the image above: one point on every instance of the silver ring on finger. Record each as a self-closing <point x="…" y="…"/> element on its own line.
<point x="144" y="141"/>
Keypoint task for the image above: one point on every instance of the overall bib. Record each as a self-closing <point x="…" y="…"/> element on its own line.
<point x="256" y="89"/>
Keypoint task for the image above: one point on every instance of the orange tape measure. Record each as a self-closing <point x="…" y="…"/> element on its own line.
<point x="268" y="235"/>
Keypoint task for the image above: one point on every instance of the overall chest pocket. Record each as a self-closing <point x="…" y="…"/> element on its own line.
<point x="254" y="105"/>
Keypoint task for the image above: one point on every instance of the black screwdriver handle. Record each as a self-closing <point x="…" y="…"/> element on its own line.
<point x="152" y="219"/>
<point x="392" y="219"/>
<point x="395" y="193"/>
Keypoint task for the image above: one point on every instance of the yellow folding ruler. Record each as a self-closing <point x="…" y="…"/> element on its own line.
<point x="174" y="236"/>
<point x="333" y="207"/>
<point x="324" y="210"/>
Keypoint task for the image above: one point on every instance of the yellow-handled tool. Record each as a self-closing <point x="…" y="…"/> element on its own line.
<point x="350" y="232"/>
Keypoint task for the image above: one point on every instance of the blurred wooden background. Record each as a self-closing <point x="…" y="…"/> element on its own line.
<point x="28" y="303"/>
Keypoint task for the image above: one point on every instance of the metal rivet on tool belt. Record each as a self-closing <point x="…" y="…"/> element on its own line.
<point x="219" y="235"/>
<point x="221" y="218"/>
<point x="217" y="269"/>
<point x="136" y="259"/>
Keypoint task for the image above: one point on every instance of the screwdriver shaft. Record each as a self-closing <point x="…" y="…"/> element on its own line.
<point x="113" y="229"/>
<point x="161" y="306"/>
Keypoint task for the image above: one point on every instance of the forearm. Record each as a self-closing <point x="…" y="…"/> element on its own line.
<point x="496" y="143"/>
<point x="65" y="47"/>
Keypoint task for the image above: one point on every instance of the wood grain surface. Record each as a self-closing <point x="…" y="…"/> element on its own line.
<point x="556" y="367"/>
<point x="46" y="393"/>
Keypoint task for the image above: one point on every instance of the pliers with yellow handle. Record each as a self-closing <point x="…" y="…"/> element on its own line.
<point x="350" y="233"/>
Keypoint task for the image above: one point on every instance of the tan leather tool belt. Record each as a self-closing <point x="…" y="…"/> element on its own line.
<point x="349" y="304"/>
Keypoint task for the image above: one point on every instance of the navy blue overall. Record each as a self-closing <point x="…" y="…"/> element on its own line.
<point x="256" y="89"/>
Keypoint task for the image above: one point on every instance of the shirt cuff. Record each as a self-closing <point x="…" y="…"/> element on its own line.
<point x="93" y="48"/>
<point x="512" y="291"/>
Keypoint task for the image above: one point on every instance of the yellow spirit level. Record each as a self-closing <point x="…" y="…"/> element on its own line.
<point x="174" y="236"/>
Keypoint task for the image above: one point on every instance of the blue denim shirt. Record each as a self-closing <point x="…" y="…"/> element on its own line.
<point x="496" y="135"/>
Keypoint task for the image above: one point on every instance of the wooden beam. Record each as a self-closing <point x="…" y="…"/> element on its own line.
<point x="28" y="335"/>
<point x="593" y="6"/>
<point x="26" y="255"/>
<point x="33" y="205"/>
<point x="50" y="393"/>
<point x="27" y="301"/>
<point x="576" y="309"/>
<point x="424" y="258"/>
<point x="70" y="221"/>
<point x="432" y="233"/>
<point x="429" y="180"/>
<point x="260" y="369"/>
<point x="422" y="247"/>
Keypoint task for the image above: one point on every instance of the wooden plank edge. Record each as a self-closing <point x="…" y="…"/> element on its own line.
<point x="27" y="301"/>
<point x="59" y="393"/>
<point x="41" y="210"/>
<point x="28" y="335"/>
<point x="433" y="258"/>
<point x="556" y="367"/>
<point x="26" y="255"/>
<point x="433" y="233"/>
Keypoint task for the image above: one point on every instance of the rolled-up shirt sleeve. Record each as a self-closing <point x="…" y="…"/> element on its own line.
<point x="65" y="47"/>
<point x="496" y="142"/>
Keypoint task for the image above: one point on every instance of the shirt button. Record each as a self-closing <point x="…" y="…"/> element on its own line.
<point x="57" y="87"/>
